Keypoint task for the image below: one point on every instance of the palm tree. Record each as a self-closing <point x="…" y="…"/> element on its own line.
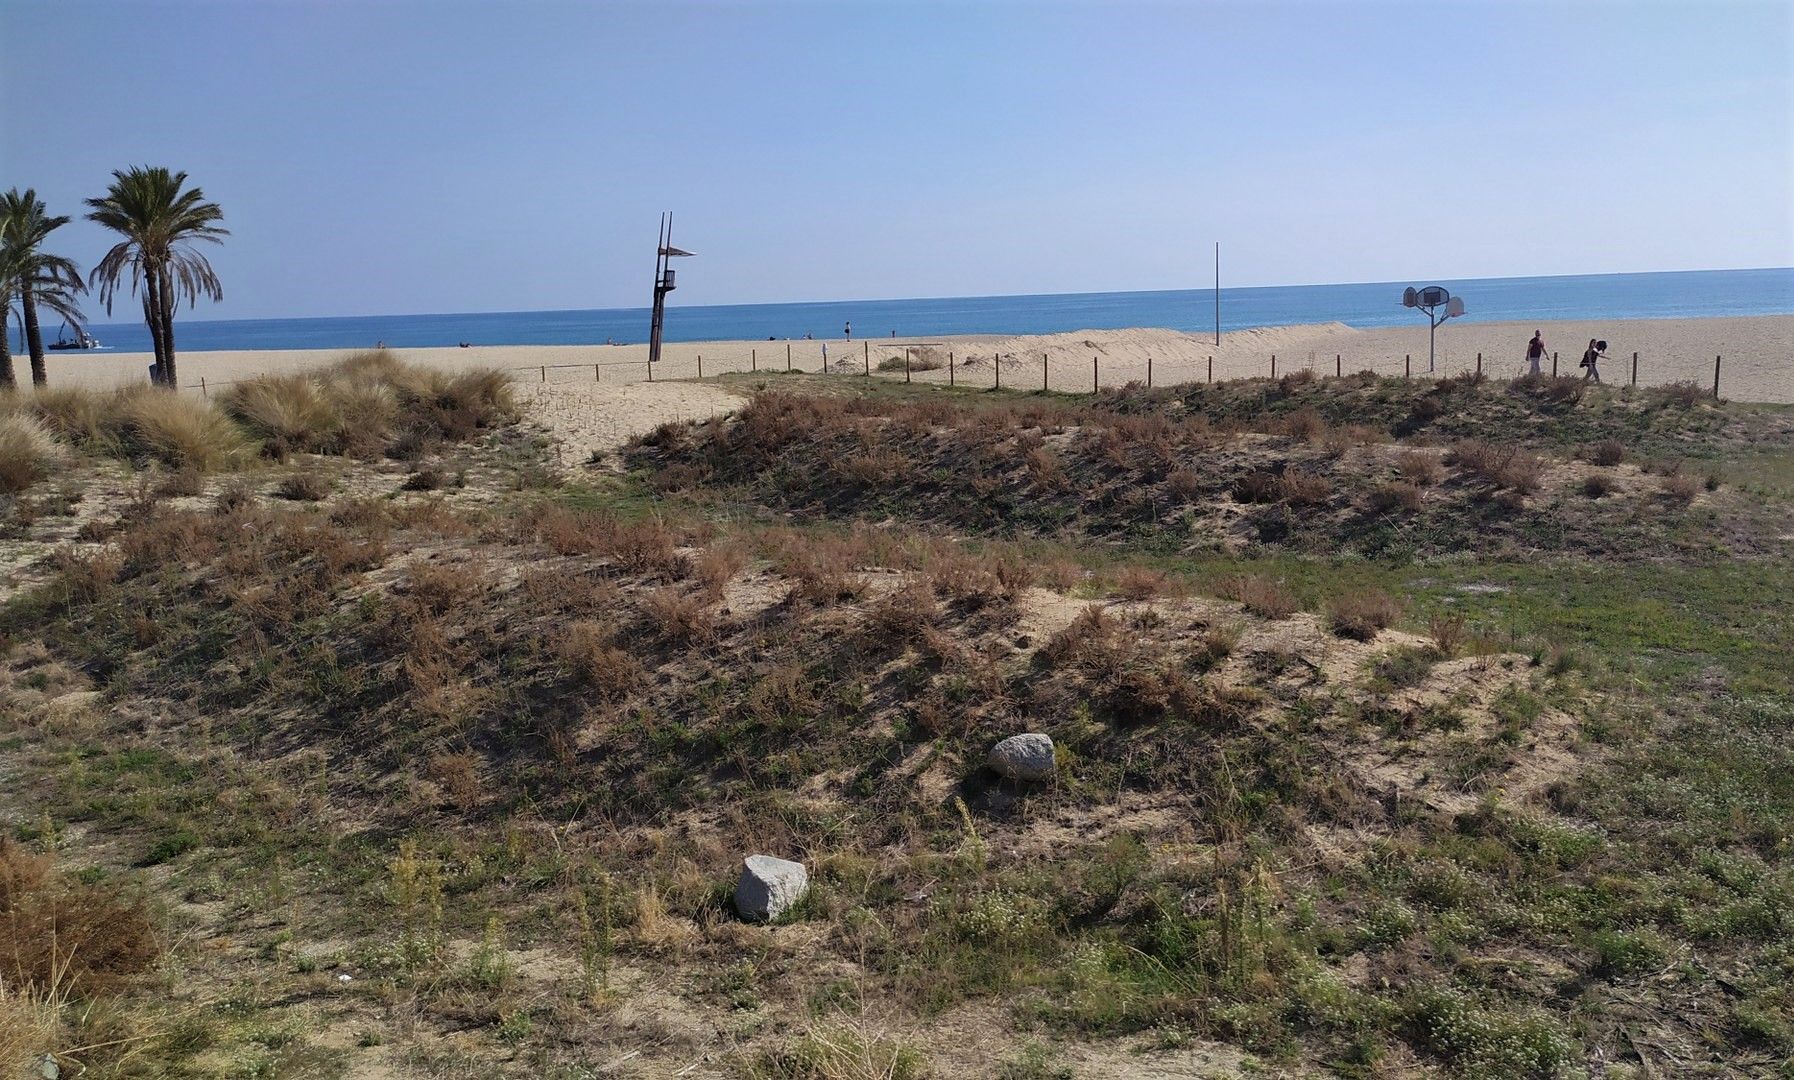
<point x="49" y="291"/>
<point x="159" y="222"/>
<point x="24" y="225"/>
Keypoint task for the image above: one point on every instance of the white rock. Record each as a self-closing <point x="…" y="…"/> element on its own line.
<point x="1023" y="757"/>
<point x="769" y="887"/>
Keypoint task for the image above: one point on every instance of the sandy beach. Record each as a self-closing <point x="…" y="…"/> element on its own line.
<point x="596" y="395"/>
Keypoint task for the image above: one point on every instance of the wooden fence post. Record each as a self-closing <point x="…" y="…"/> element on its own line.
<point x="1479" y="363"/>
<point x="996" y="362"/>
<point x="1338" y="366"/>
<point x="700" y="367"/>
<point x="1093" y="375"/>
<point x="202" y="387"/>
<point x="949" y="367"/>
<point x="1634" y="369"/>
<point x="866" y="346"/>
<point x="1408" y="366"/>
<point x="596" y="376"/>
<point x="906" y="363"/>
<point x="1043" y="372"/>
<point x="787" y="358"/>
<point x="1716" y="378"/>
<point x="1211" y="369"/>
<point x="754" y="359"/>
<point x="1554" y="365"/>
<point x="544" y="372"/>
<point x="1273" y="365"/>
<point x="1149" y="373"/>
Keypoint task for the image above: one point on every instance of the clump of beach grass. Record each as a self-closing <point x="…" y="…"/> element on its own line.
<point x="27" y="452"/>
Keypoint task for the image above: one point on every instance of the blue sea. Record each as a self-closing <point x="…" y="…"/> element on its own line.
<point x="1689" y="294"/>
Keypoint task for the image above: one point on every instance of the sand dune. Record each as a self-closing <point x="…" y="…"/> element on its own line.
<point x="1758" y="356"/>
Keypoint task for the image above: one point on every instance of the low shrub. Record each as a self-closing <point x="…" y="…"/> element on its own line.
<point x="1607" y="452"/>
<point x="181" y="431"/>
<point x="1257" y="486"/>
<point x="303" y="487"/>
<point x="1183" y="484"/>
<point x="1143" y="583"/>
<point x="1420" y="468"/>
<point x="1681" y="488"/>
<point x="57" y="934"/>
<point x="1299" y="487"/>
<point x="1361" y="615"/>
<point x="1397" y="495"/>
<point x="1447" y="632"/>
<point x="1595" y="485"/>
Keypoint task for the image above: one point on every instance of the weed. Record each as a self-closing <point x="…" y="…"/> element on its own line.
<point x="28" y="452"/>
<point x="1607" y="452"/>
<point x="1260" y="595"/>
<point x="303" y="487"/>
<point x="1360" y="615"/>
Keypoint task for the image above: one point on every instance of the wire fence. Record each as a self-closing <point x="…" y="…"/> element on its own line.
<point x="919" y="361"/>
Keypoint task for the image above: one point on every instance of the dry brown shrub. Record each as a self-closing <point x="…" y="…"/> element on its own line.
<point x="83" y="578"/>
<point x="1595" y="485"/>
<point x="1447" y="632"/>
<point x="972" y="580"/>
<point x="1060" y="575"/>
<point x="718" y="563"/>
<point x="1183" y="484"/>
<point x="1260" y="595"/>
<point x="1681" y="488"/>
<point x="874" y="468"/>
<point x="1298" y="377"/>
<point x="589" y="650"/>
<point x="1256" y="486"/>
<point x="1419" y="467"/>
<point x="823" y="573"/>
<point x="1476" y="456"/>
<point x="1522" y="473"/>
<point x="675" y="617"/>
<point x="1305" y="424"/>
<point x="1338" y="440"/>
<point x="1300" y="487"/>
<point x="60" y="935"/>
<point x="1143" y="583"/>
<point x="1606" y="452"/>
<point x="303" y="487"/>
<point x="1397" y="495"/>
<point x="901" y="616"/>
<point x="1687" y="394"/>
<point x="1361" y="615"/>
<point x="441" y="587"/>
<point x="1089" y="630"/>
<point x="1045" y="470"/>
<point x="458" y="775"/>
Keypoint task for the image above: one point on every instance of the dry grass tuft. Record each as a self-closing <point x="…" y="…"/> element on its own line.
<point x="1260" y="595"/>
<point x="1144" y="583"/>
<point x="590" y="652"/>
<point x="1680" y="487"/>
<point x="304" y="487"/>
<point x="1448" y="633"/>
<point x="1361" y="615"/>
<point x="1595" y="485"/>
<point x="180" y="431"/>
<point x="28" y="452"/>
<point x="61" y="934"/>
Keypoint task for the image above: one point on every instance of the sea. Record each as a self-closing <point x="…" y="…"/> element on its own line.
<point x="1676" y="295"/>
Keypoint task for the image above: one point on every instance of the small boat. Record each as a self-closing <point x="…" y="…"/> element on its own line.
<point x="81" y="340"/>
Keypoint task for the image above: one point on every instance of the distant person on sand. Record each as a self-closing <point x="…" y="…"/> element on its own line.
<point x="848" y="330"/>
<point x="1535" y="351"/>
<point x="1592" y="357"/>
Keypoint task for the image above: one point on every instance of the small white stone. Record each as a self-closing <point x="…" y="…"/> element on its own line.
<point x="1023" y="757"/>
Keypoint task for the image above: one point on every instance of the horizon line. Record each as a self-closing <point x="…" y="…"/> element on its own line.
<point x="969" y="296"/>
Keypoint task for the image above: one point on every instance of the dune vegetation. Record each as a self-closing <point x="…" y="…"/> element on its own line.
<point x="1382" y="744"/>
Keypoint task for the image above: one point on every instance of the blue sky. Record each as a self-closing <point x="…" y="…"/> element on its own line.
<point x="387" y="157"/>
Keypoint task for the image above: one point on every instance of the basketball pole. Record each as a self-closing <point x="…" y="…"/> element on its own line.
<point x="1217" y="293"/>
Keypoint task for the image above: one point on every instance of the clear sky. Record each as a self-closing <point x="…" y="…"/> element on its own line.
<point x="397" y="157"/>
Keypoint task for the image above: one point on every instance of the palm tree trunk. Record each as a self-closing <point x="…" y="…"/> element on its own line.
<point x="168" y="305"/>
<point x="8" y="380"/>
<point x="152" y="316"/>
<point x="34" y="337"/>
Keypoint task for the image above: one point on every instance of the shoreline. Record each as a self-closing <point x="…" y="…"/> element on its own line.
<point x="1757" y="351"/>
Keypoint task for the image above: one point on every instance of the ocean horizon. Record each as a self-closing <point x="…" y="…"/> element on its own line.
<point x="1669" y="294"/>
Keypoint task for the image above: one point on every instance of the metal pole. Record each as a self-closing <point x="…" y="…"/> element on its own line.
<point x="1217" y="296"/>
<point x="1432" y="328"/>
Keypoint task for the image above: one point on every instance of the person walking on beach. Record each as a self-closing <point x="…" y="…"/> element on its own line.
<point x="848" y="330"/>
<point x="1592" y="357"/>
<point x="1535" y="352"/>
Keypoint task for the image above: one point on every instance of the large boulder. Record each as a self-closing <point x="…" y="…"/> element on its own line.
<point x="769" y="887"/>
<point x="1023" y="757"/>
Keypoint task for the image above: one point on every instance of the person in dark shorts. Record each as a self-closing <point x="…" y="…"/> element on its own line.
<point x="1592" y="357"/>
<point x="1535" y="352"/>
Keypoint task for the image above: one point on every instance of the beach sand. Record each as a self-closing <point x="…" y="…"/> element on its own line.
<point x="595" y="396"/>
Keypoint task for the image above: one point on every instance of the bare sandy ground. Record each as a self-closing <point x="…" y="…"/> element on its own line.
<point x="598" y="393"/>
